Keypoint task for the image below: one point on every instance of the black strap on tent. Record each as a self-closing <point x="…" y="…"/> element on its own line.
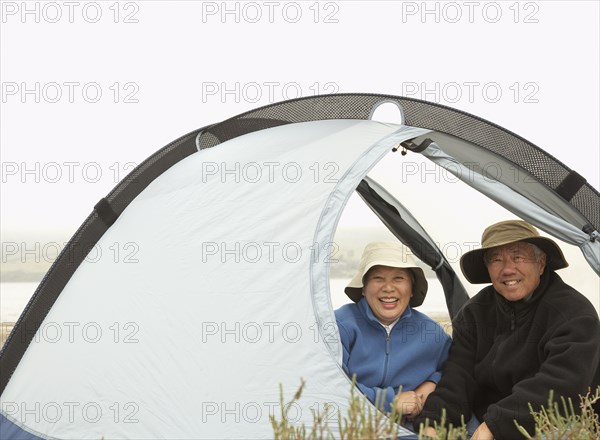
<point x="105" y="212"/>
<point x="570" y="185"/>
<point x="454" y="291"/>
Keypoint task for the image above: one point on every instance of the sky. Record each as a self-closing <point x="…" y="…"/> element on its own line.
<point x="91" y="89"/>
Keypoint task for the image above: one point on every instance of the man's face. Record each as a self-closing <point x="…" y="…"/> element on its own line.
<point x="514" y="269"/>
<point x="387" y="291"/>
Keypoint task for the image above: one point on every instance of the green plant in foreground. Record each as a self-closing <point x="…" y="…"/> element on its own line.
<point x="363" y="421"/>
<point x="443" y="432"/>
<point x="282" y="429"/>
<point x="552" y="422"/>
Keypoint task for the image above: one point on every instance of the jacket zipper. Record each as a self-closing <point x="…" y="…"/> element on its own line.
<point x="387" y="352"/>
<point x="512" y="320"/>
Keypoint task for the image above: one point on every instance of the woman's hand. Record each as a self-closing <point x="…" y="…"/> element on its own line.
<point x="425" y="389"/>
<point x="409" y="404"/>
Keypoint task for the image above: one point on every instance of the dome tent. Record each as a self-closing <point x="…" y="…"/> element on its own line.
<point x="228" y="296"/>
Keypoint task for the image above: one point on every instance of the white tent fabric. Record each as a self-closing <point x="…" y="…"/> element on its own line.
<point x="209" y="291"/>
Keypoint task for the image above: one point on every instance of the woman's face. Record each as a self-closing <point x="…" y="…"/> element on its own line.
<point x="388" y="291"/>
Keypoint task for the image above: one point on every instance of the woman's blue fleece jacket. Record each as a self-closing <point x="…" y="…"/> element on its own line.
<point x="413" y="353"/>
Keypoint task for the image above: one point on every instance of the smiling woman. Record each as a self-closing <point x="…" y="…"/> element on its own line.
<point x="387" y="291"/>
<point x="380" y="327"/>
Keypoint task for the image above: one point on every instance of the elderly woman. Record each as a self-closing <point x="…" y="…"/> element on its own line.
<point x="388" y="345"/>
<point x="517" y="339"/>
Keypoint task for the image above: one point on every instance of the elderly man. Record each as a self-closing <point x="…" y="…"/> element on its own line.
<point x="526" y="334"/>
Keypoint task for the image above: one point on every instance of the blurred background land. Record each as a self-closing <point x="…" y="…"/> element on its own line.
<point x="27" y="259"/>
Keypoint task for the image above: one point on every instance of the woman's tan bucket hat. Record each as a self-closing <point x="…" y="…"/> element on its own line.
<point x="505" y="232"/>
<point x="392" y="254"/>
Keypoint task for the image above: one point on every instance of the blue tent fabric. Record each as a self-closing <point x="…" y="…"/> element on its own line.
<point x="10" y="430"/>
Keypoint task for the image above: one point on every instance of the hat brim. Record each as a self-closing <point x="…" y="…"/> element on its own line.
<point x="354" y="290"/>
<point x="475" y="271"/>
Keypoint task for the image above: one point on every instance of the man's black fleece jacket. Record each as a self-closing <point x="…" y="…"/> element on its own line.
<point x="506" y="355"/>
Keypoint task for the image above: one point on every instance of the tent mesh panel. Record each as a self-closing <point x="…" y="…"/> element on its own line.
<point x="523" y="153"/>
<point x="297" y="110"/>
<point x="586" y="201"/>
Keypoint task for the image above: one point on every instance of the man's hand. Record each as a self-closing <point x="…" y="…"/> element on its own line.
<point x="409" y="404"/>
<point x="483" y="433"/>
<point x="430" y="432"/>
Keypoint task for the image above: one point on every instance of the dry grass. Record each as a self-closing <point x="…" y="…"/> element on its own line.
<point x="5" y="329"/>
<point x="444" y="321"/>
<point x="362" y="421"/>
<point x="562" y="421"/>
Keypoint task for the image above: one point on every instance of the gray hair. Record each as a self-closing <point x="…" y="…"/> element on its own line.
<point x="537" y="252"/>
